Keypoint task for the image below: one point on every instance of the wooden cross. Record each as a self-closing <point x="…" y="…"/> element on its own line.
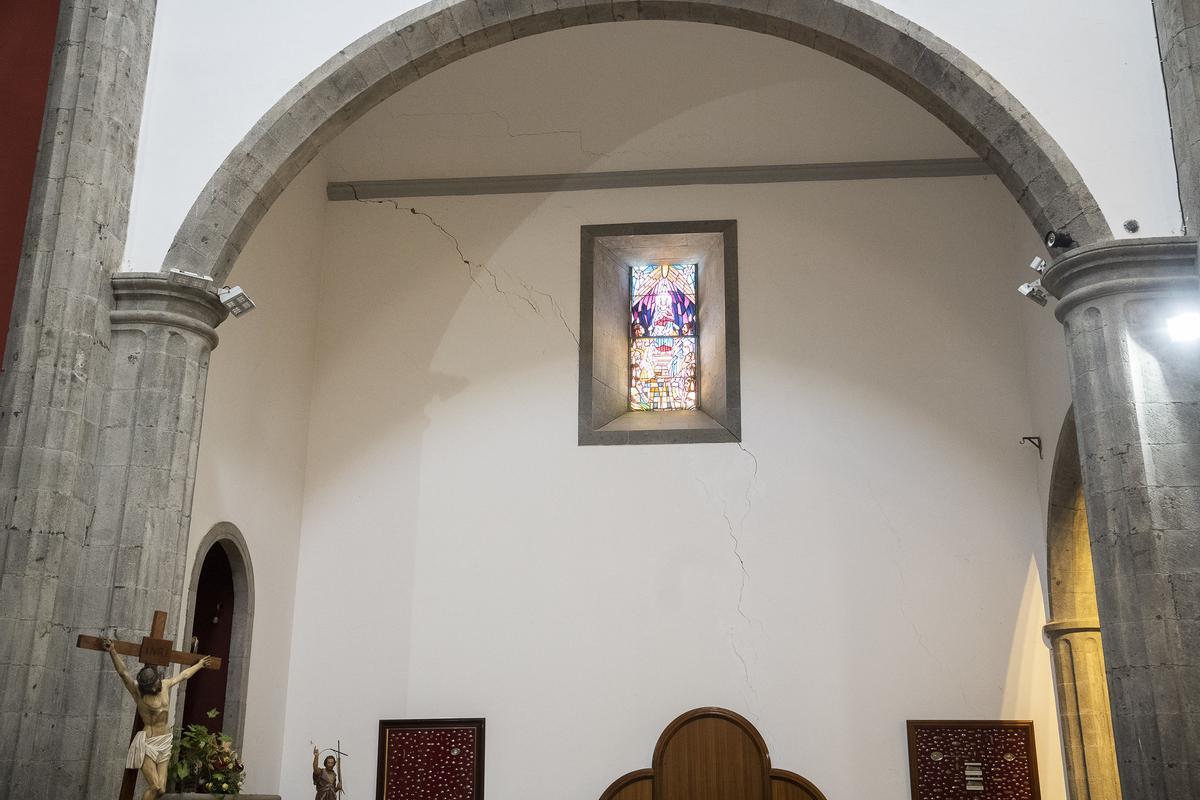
<point x="154" y="650"/>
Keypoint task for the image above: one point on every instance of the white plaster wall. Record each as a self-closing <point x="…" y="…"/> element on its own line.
<point x="1088" y="69"/>
<point x="502" y="113"/>
<point x="254" y="442"/>
<point x="462" y="556"/>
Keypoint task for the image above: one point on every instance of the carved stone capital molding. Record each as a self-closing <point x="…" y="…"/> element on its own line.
<point x="1120" y="267"/>
<point x="1061" y="627"/>
<point x="141" y="298"/>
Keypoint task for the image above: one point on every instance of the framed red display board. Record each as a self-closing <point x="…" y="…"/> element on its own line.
<point x="430" y="759"/>
<point x="972" y="760"/>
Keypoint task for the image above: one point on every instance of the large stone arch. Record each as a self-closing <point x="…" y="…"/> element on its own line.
<point x="931" y="72"/>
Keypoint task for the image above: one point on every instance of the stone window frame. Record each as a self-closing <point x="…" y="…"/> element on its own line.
<point x="606" y="253"/>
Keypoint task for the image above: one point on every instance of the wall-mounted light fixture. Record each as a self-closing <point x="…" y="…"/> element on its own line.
<point x="1034" y="291"/>
<point x="237" y="301"/>
<point x="192" y="279"/>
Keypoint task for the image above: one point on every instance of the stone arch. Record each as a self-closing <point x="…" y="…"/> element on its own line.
<point x="1084" y="712"/>
<point x="931" y="72"/>
<point x="226" y="536"/>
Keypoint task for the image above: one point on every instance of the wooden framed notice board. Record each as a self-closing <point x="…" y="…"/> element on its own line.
<point x="966" y="759"/>
<point x="423" y="759"/>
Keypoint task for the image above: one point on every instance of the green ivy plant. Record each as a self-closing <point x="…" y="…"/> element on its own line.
<point x="206" y="762"/>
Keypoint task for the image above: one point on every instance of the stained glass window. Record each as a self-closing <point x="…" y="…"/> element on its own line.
<point x="662" y="337"/>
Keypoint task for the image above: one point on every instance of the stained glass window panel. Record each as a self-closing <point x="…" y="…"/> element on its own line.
<point x="662" y="337"/>
<point x="646" y="278"/>
<point x="663" y="314"/>
<point x="663" y="373"/>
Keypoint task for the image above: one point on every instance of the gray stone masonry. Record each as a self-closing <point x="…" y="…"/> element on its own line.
<point x="57" y="369"/>
<point x="133" y="560"/>
<point x="1179" y="47"/>
<point x="1137" y="408"/>
<point x="931" y="72"/>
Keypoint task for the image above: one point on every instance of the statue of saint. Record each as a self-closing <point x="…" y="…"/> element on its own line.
<point x="325" y="778"/>
<point x="150" y="750"/>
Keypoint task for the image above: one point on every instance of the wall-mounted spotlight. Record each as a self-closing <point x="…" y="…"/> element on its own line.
<point x="192" y="279"/>
<point x="1059" y="240"/>
<point x="237" y="301"/>
<point x="1184" y="327"/>
<point x="1034" y="292"/>
<point x="1038" y="265"/>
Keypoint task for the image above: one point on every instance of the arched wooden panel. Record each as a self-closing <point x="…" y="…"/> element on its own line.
<point x="634" y="786"/>
<point x="711" y="754"/>
<point x="790" y="786"/>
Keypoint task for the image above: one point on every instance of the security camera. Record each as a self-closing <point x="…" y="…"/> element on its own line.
<point x="1034" y="292"/>
<point x="1059" y="240"/>
<point x="237" y="301"/>
<point x="1038" y="265"/>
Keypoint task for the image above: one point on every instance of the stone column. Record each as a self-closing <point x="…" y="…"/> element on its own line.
<point x="1136" y="396"/>
<point x="133" y="562"/>
<point x="57" y="369"/>
<point x="1083" y="708"/>
<point x="1179" y="51"/>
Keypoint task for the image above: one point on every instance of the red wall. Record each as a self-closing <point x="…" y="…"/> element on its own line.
<point x="26" y="47"/>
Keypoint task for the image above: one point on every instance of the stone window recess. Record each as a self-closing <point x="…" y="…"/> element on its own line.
<point x="608" y="253"/>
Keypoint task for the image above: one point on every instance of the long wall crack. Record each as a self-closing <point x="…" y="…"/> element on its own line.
<point x="477" y="268"/>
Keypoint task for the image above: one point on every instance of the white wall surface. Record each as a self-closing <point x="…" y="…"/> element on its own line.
<point x="1088" y="69"/>
<point x="254" y="442"/>
<point x="462" y="556"/>
<point x="459" y="555"/>
<point x="764" y="101"/>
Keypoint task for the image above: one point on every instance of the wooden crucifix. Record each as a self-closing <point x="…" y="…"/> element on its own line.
<point x="153" y="651"/>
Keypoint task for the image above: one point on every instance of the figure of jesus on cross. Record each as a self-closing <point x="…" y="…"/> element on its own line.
<point x="150" y="749"/>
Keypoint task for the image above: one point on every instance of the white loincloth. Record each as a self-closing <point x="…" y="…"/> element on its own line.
<point x="155" y="748"/>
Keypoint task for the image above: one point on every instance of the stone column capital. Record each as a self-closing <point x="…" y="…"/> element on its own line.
<point x="1158" y="265"/>
<point x="1061" y="627"/>
<point x="152" y="297"/>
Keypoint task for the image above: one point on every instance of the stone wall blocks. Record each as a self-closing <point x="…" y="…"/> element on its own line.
<point x="466" y="17"/>
<point x="599" y="11"/>
<point x="1176" y="464"/>
<point x="1070" y="211"/>
<point x="1175" y="507"/>
<point x="522" y="10"/>
<point x="336" y="90"/>
<point x="420" y="39"/>
<point x="492" y="12"/>
<point x="882" y="41"/>
<point x="831" y="19"/>
<point x="759" y="22"/>
<point x="624" y="10"/>
<point x="707" y="14"/>
<point x="306" y="116"/>
<point x="1185" y="598"/>
<point x="372" y="66"/>
<point x="753" y="6"/>
<point x="656" y="10"/>
<point x="1169" y="422"/>
<point x="393" y="49"/>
